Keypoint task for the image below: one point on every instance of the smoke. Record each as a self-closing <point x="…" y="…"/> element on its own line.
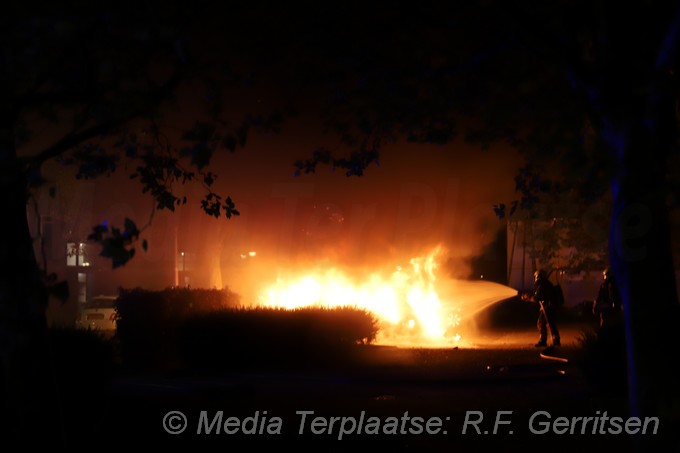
<point x="491" y="262"/>
<point x="419" y="197"/>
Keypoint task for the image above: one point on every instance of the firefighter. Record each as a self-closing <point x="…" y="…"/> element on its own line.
<point x="607" y="305"/>
<point x="543" y="296"/>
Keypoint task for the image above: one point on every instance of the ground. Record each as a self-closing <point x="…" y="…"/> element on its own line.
<point x="482" y="394"/>
<point x="501" y="378"/>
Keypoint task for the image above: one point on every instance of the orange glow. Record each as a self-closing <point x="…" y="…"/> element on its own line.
<point x="414" y="306"/>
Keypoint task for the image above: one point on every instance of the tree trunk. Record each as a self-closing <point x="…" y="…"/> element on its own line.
<point x="637" y="102"/>
<point x="641" y="257"/>
<point x="24" y="375"/>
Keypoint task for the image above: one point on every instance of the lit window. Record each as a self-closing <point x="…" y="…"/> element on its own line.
<point x="71" y="254"/>
<point x="76" y="254"/>
<point x="82" y="255"/>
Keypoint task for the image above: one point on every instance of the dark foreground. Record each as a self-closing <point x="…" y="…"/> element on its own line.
<point x="504" y="397"/>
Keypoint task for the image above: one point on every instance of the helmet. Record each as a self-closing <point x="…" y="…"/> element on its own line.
<point x="540" y="274"/>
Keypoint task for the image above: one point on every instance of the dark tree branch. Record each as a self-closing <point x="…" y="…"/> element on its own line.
<point x="74" y="138"/>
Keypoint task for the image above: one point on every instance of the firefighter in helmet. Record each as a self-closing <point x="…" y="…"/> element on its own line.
<point x="543" y="296"/>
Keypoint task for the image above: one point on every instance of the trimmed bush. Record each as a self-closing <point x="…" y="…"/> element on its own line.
<point x="83" y="364"/>
<point x="77" y="353"/>
<point x="266" y="338"/>
<point x="148" y="321"/>
<point x="207" y="329"/>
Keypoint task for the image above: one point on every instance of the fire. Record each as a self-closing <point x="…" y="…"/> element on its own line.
<point x="413" y="305"/>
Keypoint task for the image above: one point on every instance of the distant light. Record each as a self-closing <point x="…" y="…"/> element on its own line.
<point x="481" y="276"/>
<point x="182" y="253"/>
<point x="252" y="253"/>
<point x="411" y="324"/>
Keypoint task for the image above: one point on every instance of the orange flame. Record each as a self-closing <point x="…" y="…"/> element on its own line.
<point x="408" y="303"/>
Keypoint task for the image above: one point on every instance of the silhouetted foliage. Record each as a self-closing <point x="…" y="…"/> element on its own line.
<point x="208" y="329"/>
<point x="148" y="321"/>
<point x="84" y="362"/>
<point x="275" y="339"/>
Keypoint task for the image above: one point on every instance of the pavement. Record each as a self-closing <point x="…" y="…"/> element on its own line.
<point x="513" y="338"/>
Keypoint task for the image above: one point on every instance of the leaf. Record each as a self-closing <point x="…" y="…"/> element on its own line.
<point x="98" y="232"/>
<point x="166" y="200"/>
<point x="116" y="251"/>
<point x="200" y="155"/>
<point x="130" y="227"/>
